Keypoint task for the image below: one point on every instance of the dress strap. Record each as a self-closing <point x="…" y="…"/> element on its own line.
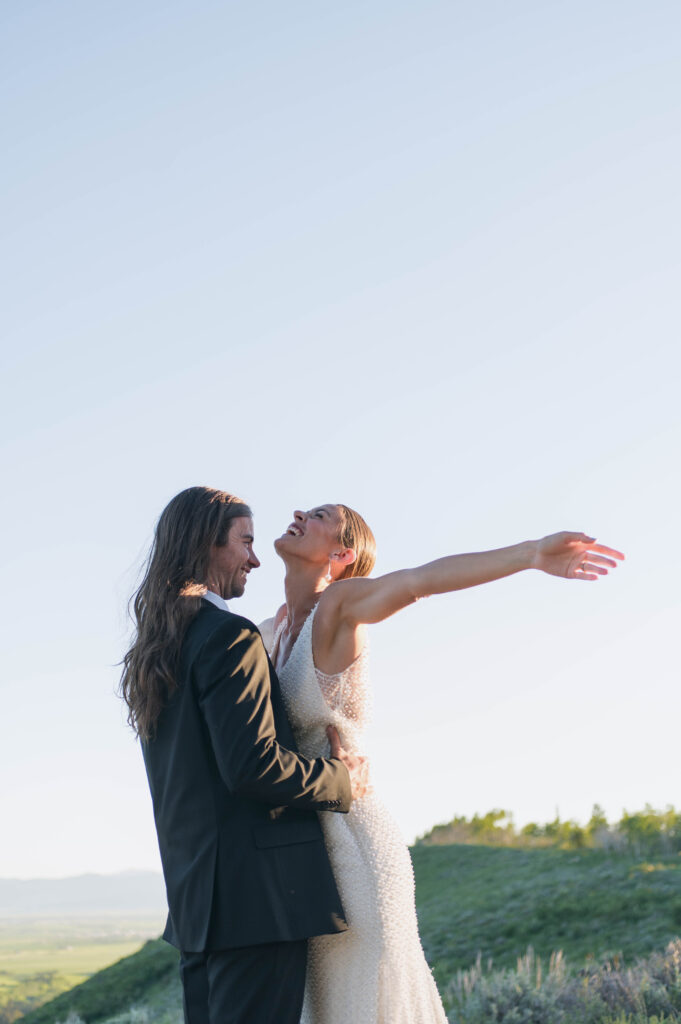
<point x="274" y="650"/>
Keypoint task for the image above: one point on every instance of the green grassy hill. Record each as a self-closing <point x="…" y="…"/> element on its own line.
<point x="471" y="900"/>
<point x="499" y="901"/>
<point x="149" y="976"/>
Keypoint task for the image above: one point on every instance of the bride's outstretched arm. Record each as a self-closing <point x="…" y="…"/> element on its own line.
<point x="571" y="555"/>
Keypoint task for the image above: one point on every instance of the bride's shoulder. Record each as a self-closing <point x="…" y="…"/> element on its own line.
<point x="335" y="637"/>
<point x="338" y="598"/>
<point x="269" y="627"/>
<point x="346" y="590"/>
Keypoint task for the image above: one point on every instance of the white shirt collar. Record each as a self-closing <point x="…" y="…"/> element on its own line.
<point x="215" y="599"/>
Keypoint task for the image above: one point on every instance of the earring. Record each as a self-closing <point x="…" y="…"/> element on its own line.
<point x="329" y="577"/>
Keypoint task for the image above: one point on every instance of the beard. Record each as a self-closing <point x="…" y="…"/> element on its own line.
<point x="237" y="587"/>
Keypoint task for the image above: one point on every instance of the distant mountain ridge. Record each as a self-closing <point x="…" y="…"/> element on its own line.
<point x="129" y="892"/>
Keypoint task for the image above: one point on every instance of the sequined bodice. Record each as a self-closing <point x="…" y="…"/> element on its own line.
<point x="315" y="699"/>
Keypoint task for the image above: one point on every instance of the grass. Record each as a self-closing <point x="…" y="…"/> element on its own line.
<point x="646" y="992"/>
<point x="42" y="957"/>
<point x="146" y="974"/>
<point x="488" y="904"/>
<point x="498" y="901"/>
<point x="76" y="961"/>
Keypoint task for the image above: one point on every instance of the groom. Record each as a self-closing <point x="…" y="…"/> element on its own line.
<point x="246" y="871"/>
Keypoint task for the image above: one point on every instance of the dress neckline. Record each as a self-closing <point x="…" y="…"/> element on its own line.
<point x="277" y="640"/>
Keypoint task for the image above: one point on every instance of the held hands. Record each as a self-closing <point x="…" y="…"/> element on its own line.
<point x="574" y="556"/>
<point x="357" y="766"/>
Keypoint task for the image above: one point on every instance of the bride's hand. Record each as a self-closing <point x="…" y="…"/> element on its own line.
<point x="574" y="556"/>
<point x="357" y="766"/>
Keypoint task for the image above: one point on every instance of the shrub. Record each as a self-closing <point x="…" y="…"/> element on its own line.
<point x="649" y="992"/>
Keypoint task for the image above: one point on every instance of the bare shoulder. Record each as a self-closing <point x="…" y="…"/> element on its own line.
<point x="280" y="616"/>
<point x="336" y="642"/>
<point x="341" y="594"/>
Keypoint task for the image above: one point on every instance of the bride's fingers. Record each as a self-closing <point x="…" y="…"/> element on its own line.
<point x="586" y="570"/>
<point x="589" y="556"/>
<point x="334" y="740"/>
<point x="581" y="574"/>
<point x="603" y="550"/>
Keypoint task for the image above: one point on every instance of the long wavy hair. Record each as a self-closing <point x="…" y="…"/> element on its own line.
<point x="169" y="597"/>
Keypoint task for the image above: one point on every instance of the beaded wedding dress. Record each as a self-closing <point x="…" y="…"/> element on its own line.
<point x="374" y="973"/>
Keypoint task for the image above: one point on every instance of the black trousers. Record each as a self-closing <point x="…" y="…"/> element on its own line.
<point x="249" y="985"/>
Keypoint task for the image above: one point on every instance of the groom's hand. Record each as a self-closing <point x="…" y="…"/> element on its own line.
<point x="357" y="766"/>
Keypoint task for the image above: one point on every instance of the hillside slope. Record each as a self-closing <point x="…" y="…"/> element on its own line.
<point x="470" y="899"/>
<point x="499" y="901"/>
<point x="143" y="977"/>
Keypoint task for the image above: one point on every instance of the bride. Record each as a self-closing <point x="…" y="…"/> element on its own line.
<point x="375" y="973"/>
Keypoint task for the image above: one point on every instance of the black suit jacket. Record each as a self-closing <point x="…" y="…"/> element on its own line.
<point x="242" y="850"/>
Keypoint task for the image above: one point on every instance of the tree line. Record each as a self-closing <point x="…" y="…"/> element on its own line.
<point x="649" y="832"/>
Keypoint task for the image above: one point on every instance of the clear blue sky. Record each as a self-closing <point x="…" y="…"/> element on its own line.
<point x="419" y="258"/>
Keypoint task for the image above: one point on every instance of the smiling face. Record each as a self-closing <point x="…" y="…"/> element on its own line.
<point x="231" y="563"/>
<point x="313" y="536"/>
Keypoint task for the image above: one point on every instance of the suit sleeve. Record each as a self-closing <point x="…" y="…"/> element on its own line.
<point x="232" y="677"/>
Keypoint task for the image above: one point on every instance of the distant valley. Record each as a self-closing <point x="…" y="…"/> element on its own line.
<point x="56" y="932"/>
